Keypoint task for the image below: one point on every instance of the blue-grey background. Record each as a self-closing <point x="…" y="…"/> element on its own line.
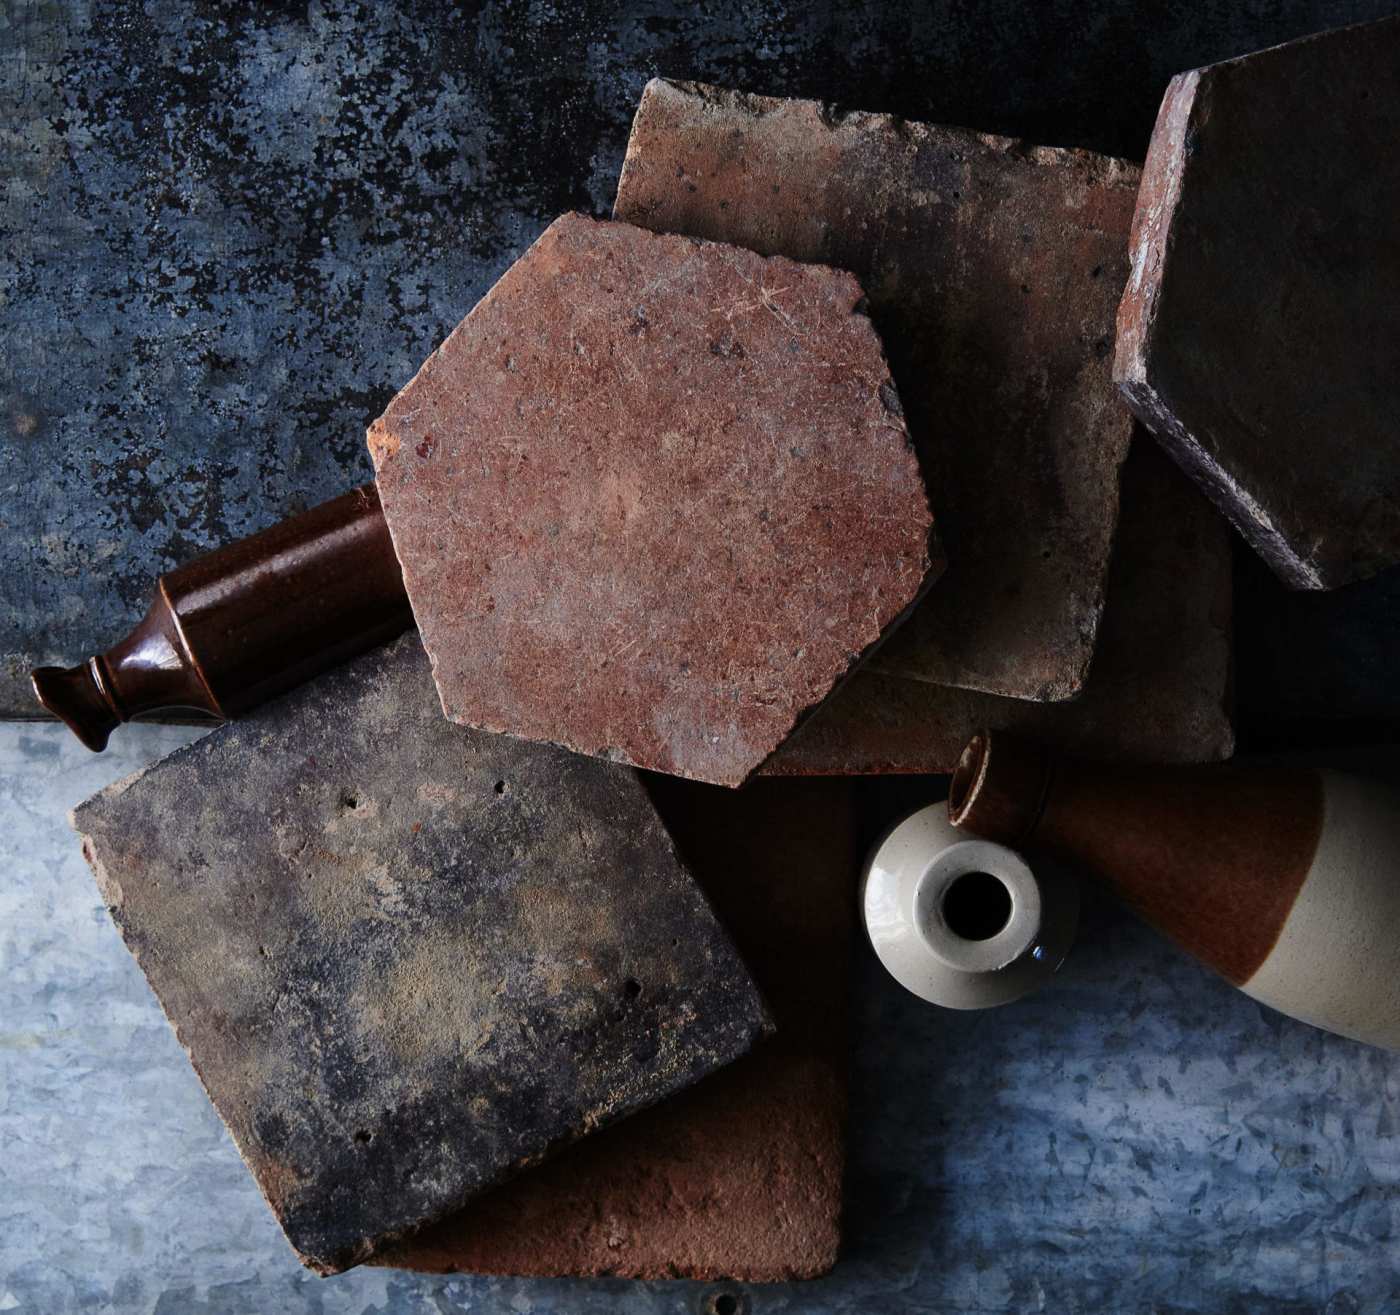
<point x="1137" y="1138"/>
<point x="228" y="232"/>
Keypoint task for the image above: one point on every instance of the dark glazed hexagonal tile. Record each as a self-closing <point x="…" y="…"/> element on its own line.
<point x="652" y="498"/>
<point x="1258" y="334"/>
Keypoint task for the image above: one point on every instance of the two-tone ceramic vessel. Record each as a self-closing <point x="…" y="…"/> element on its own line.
<point x="1285" y="880"/>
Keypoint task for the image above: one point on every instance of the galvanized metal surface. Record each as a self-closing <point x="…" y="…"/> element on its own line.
<point x="1138" y="1137"/>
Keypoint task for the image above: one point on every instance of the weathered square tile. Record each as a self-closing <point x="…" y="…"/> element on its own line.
<point x="652" y="498"/>
<point x="408" y="959"/>
<point x="739" y="1177"/>
<point x="1159" y="689"/>
<point x="1258" y="334"/>
<point x="993" y="270"/>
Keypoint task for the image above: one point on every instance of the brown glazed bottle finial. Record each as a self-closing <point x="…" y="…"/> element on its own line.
<point x="244" y="623"/>
<point x="78" y="696"/>
<point x="1284" y="879"/>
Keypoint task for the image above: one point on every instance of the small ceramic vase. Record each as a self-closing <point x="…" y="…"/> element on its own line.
<point x="961" y="922"/>
<point x="1285" y="880"/>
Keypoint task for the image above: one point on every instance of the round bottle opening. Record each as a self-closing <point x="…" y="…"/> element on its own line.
<point x="976" y="906"/>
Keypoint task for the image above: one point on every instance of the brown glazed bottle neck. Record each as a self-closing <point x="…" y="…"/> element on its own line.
<point x="244" y="623"/>
<point x="269" y="612"/>
<point x="1000" y="787"/>
<point x="150" y="670"/>
<point x="1214" y="856"/>
<point x="153" y="668"/>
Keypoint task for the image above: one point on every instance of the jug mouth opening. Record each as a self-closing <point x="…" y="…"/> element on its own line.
<point x="976" y="906"/>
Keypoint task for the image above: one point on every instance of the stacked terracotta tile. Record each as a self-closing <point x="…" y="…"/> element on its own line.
<point x="992" y="271"/>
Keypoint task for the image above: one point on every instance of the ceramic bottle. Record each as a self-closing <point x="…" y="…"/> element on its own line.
<point x="962" y="922"/>
<point x="243" y="623"/>
<point x="1286" y="880"/>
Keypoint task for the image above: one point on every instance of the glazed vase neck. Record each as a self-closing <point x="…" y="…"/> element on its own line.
<point x="1213" y="856"/>
<point x="244" y="623"/>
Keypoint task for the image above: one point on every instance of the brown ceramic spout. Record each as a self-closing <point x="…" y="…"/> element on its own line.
<point x="244" y="623"/>
<point x="1286" y="880"/>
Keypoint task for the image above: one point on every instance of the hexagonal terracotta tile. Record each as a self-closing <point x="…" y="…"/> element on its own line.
<point x="652" y="498"/>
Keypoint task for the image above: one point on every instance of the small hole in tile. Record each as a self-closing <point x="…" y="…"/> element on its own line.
<point x="363" y="1138"/>
<point x="500" y="787"/>
<point x="349" y="801"/>
<point x="725" y="1303"/>
<point x="631" y="988"/>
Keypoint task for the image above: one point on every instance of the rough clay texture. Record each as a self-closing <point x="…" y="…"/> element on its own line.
<point x="231" y="231"/>
<point x="1257" y="336"/>
<point x="652" y="498"/>
<point x="1160" y="686"/>
<point x="408" y="959"/>
<point x="993" y="269"/>
<point x="739" y="1177"/>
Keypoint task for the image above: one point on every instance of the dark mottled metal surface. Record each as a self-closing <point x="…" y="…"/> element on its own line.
<point x="229" y="232"/>
<point x="1139" y="1137"/>
<point x="408" y="959"/>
